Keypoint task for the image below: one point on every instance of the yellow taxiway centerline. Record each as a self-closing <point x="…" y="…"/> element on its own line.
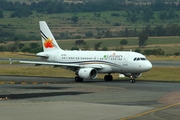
<point x="151" y="111"/>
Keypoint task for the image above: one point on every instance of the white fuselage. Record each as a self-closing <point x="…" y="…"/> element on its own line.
<point x="110" y="61"/>
<point x="87" y="64"/>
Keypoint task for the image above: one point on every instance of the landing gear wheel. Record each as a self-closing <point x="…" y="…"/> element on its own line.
<point x="78" y="79"/>
<point x="132" y="81"/>
<point x="81" y="80"/>
<point x="108" y="78"/>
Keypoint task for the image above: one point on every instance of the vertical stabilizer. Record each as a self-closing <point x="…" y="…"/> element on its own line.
<point x="48" y="41"/>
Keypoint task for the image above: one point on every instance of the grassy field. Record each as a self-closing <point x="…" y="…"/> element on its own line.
<point x="155" y="74"/>
<point x="87" y="22"/>
<point x="23" y="55"/>
<point x="169" y="44"/>
<point x="170" y="74"/>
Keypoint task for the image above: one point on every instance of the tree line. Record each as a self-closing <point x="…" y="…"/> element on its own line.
<point x="34" y="47"/>
<point x="58" y="6"/>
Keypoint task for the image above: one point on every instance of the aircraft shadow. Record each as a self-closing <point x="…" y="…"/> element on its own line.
<point x="41" y="87"/>
<point x="39" y="95"/>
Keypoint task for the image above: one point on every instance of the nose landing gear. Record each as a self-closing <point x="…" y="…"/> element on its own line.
<point x="132" y="80"/>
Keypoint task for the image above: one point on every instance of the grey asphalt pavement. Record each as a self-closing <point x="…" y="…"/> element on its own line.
<point x="63" y="99"/>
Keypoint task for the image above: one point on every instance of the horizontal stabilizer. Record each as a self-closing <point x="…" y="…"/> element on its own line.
<point x="42" y="54"/>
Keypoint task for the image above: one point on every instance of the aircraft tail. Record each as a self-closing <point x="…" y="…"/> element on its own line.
<point x="48" y="40"/>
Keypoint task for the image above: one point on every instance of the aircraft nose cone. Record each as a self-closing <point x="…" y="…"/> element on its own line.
<point x="148" y="65"/>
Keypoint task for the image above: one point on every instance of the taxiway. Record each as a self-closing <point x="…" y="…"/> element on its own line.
<point x="45" y="98"/>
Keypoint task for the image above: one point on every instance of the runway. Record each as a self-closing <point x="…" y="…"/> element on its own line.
<point x="46" y="98"/>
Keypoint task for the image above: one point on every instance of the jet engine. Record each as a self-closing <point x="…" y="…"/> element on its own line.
<point x="135" y="75"/>
<point x="87" y="73"/>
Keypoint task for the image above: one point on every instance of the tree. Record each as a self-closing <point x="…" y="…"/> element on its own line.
<point x="12" y="48"/>
<point x="147" y="14"/>
<point x="26" y="49"/>
<point x="132" y="17"/>
<point x="50" y="8"/>
<point x="105" y="49"/>
<point x="21" y="45"/>
<point x="154" y="52"/>
<point x="137" y="50"/>
<point x="34" y="45"/>
<point x="108" y="34"/>
<point x="74" y="19"/>
<point x="143" y="37"/>
<point x="117" y="24"/>
<point x="86" y="47"/>
<point x="89" y="34"/>
<point x="97" y="45"/>
<point x="62" y="35"/>
<point x="21" y="12"/>
<point x="124" y="42"/>
<point x="97" y="14"/>
<point x="162" y="15"/>
<point x="1" y="13"/>
<point x="171" y="14"/>
<point x="119" y="48"/>
<point x="74" y="48"/>
<point x="79" y="42"/>
<point x="2" y="48"/>
<point x="177" y="53"/>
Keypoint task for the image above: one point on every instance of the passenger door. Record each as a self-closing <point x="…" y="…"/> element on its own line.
<point x="125" y="60"/>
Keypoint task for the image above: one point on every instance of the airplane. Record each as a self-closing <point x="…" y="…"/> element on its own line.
<point x="87" y="64"/>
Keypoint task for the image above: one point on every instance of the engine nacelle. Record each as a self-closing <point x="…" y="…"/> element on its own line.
<point x="87" y="73"/>
<point x="135" y="75"/>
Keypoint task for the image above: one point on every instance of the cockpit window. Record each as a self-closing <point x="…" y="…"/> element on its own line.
<point x="138" y="58"/>
<point x="143" y="59"/>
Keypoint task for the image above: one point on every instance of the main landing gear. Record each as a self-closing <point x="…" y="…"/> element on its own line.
<point x="108" y="77"/>
<point x="132" y="80"/>
<point x="78" y="79"/>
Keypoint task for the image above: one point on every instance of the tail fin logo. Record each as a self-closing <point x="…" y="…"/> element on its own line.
<point x="48" y="43"/>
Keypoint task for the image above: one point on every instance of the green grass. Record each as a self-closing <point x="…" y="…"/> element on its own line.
<point x="155" y="74"/>
<point x="170" y="74"/>
<point x="169" y="44"/>
<point x="58" y="22"/>
<point x="162" y="74"/>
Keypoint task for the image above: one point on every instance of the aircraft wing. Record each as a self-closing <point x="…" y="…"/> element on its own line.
<point x="62" y="64"/>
